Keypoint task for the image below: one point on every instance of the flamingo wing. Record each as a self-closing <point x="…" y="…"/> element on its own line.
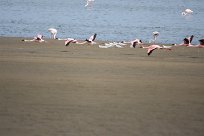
<point x="188" y="11"/>
<point x="191" y="38"/>
<point x="92" y="38"/>
<point x="201" y="41"/>
<point x="52" y="30"/>
<point x="134" y="44"/>
<point x="186" y="41"/>
<point x="150" y="50"/>
<point x="68" y="41"/>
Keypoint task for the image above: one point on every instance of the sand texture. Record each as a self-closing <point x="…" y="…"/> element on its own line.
<point x="48" y="89"/>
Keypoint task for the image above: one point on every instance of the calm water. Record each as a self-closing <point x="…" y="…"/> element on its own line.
<point x="111" y="19"/>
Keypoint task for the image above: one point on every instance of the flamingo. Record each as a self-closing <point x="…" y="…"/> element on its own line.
<point x="88" y="2"/>
<point x="53" y="32"/>
<point x="187" y="12"/>
<point x="70" y="40"/>
<point x="201" y="45"/>
<point x="37" y="38"/>
<point x="135" y="42"/>
<point x="187" y="41"/>
<point x="91" y="39"/>
<point x="112" y="44"/>
<point x="153" y="47"/>
<point x="201" y="42"/>
<point x="155" y="35"/>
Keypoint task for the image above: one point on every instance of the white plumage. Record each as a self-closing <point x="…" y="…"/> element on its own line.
<point x="155" y="34"/>
<point x="187" y="12"/>
<point x="53" y="32"/>
<point x="88" y="2"/>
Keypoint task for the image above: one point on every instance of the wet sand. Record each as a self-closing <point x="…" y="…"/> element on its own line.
<point x="48" y="89"/>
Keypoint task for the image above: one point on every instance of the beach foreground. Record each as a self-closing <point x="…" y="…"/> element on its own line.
<point x="48" y="89"/>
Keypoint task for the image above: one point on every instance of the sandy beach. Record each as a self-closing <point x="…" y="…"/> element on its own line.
<point x="48" y="89"/>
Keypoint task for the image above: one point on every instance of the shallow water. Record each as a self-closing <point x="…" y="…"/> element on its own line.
<point x="110" y="19"/>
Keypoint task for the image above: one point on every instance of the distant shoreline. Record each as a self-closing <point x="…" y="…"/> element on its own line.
<point x="99" y="41"/>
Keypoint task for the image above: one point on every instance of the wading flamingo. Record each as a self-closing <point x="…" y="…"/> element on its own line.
<point x="53" y="32"/>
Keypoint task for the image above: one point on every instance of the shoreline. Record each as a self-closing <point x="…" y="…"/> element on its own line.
<point x="49" y="89"/>
<point x="100" y="41"/>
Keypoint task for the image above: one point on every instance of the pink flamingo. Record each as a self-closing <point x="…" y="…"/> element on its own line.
<point x="38" y="38"/>
<point x="187" y="41"/>
<point x="90" y="40"/>
<point x="201" y="45"/>
<point x="133" y="43"/>
<point x="70" y="40"/>
<point x="151" y="48"/>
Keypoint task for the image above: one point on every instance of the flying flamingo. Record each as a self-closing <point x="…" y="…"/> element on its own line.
<point x="53" y="32"/>
<point x="70" y="40"/>
<point x="153" y="47"/>
<point x="89" y="2"/>
<point x="67" y="41"/>
<point x="201" y="45"/>
<point x="133" y="43"/>
<point x="91" y="39"/>
<point x="38" y="38"/>
<point x="187" y="41"/>
<point x="187" y="12"/>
